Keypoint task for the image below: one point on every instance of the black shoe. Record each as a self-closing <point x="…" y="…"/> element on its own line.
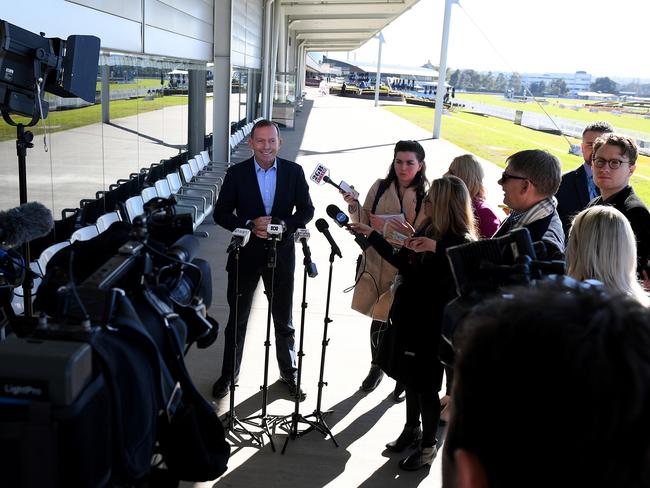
<point x="290" y="383"/>
<point x="397" y="393"/>
<point x="373" y="379"/>
<point x="410" y="436"/>
<point x="221" y="387"/>
<point x="424" y="456"/>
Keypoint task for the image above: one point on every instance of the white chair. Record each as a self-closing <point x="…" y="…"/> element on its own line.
<point x="194" y="205"/>
<point x="193" y="180"/>
<point x="47" y="254"/>
<point x="105" y="221"/>
<point x="214" y="165"/>
<point x="199" y="168"/>
<point x="134" y="207"/>
<point x="84" y="234"/>
<point x="148" y="193"/>
<point x="177" y="187"/>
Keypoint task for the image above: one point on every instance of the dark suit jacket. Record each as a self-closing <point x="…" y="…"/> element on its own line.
<point x="572" y="196"/>
<point x="240" y="200"/>
<point x="548" y="230"/>
<point x="630" y="205"/>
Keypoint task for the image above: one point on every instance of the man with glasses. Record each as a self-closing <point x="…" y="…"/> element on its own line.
<point x="530" y="180"/>
<point x="577" y="188"/>
<point x="613" y="165"/>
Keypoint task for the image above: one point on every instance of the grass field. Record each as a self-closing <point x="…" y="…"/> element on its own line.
<point x="495" y="139"/>
<point x="138" y="83"/>
<point x="624" y="121"/>
<point x="78" y="117"/>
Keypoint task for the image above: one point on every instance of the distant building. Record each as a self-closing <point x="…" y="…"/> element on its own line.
<point x="417" y="73"/>
<point x="579" y="81"/>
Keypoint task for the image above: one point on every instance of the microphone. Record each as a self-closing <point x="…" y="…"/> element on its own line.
<point x="321" y="173"/>
<point x="25" y="223"/>
<point x="239" y="239"/>
<point x="323" y="228"/>
<point x="302" y="235"/>
<point x="275" y="228"/>
<point x="344" y="221"/>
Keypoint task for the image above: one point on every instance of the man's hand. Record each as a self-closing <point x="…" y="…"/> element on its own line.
<point x="420" y="244"/>
<point x="259" y="226"/>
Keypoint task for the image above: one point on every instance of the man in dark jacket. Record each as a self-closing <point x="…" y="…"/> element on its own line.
<point x="254" y="192"/>
<point x="529" y="182"/>
<point x="614" y="163"/>
<point x="577" y="188"/>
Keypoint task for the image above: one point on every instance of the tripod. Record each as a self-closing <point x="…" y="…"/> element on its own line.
<point x="296" y="418"/>
<point x="233" y="423"/>
<point x="263" y="420"/>
<point x="318" y="415"/>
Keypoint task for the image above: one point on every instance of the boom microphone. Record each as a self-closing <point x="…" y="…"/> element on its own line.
<point x="239" y="239"/>
<point x="25" y="223"/>
<point x="323" y="228"/>
<point x="344" y="221"/>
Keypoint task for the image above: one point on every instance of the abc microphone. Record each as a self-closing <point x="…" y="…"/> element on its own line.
<point x="239" y="239"/>
<point x="344" y="221"/>
<point x="302" y="236"/>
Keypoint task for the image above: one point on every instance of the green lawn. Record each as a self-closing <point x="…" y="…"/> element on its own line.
<point x="495" y="139"/>
<point x="139" y="82"/>
<point x="625" y="121"/>
<point x="78" y="117"/>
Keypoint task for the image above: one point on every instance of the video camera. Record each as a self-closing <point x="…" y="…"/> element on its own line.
<point x="31" y="65"/>
<point x="482" y="269"/>
<point x="108" y="347"/>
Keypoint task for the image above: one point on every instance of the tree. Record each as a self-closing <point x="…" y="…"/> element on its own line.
<point x="557" y="87"/>
<point x="501" y="83"/>
<point x="515" y="83"/>
<point x="454" y="78"/>
<point x="604" y="85"/>
<point x="537" y="88"/>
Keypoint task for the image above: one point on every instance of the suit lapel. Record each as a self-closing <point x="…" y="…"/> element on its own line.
<point x="256" y="195"/>
<point x="582" y="186"/>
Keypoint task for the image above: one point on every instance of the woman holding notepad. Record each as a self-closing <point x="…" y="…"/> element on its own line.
<point x="397" y="197"/>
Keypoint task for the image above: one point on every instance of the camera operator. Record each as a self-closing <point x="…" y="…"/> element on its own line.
<point x="530" y="180"/>
<point x="602" y="247"/>
<point x="587" y="348"/>
<point x="424" y="285"/>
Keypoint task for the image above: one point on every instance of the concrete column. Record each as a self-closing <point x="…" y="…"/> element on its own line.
<point x="222" y="80"/>
<point x="196" y="111"/>
<point x="442" y="71"/>
<point x="106" y="94"/>
<point x="251" y="95"/>
<point x="274" y="56"/>
<point x="266" y="61"/>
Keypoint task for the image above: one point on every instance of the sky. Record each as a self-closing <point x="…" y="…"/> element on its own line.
<point x="602" y="37"/>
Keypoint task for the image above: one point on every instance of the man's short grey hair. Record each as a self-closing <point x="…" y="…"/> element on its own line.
<point x="540" y="167"/>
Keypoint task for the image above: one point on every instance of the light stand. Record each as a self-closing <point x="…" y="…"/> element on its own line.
<point x="233" y="424"/>
<point x="296" y="417"/>
<point x="318" y="415"/>
<point x="263" y="420"/>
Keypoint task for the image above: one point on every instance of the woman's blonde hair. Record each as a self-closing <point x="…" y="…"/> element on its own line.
<point x="602" y="246"/>
<point x="451" y="209"/>
<point x="468" y="169"/>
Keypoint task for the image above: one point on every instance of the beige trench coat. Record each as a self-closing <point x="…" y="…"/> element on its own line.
<point x="372" y="295"/>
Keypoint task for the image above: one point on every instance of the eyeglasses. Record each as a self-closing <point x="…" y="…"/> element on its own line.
<point x="612" y="163"/>
<point x="507" y="176"/>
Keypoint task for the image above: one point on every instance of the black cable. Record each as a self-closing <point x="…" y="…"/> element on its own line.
<point x="178" y="261"/>
<point x="73" y="287"/>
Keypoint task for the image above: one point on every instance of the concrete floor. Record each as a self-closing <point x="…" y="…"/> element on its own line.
<point x="354" y="140"/>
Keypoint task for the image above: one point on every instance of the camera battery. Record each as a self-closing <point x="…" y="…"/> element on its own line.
<point x="44" y="370"/>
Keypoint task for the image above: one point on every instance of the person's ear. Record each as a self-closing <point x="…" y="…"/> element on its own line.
<point x="470" y="473"/>
<point x="632" y="168"/>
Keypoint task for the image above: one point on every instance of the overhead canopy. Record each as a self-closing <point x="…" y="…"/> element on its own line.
<point x="340" y="25"/>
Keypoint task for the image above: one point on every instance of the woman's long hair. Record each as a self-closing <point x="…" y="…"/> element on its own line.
<point x="450" y="208"/>
<point x="420" y="182"/>
<point x="468" y="169"/>
<point x="602" y="246"/>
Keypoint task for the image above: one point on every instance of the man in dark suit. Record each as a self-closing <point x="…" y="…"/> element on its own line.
<point x="254" y="192"/>
<point x="614" y="163"/>
<point x="530" y="180"/>
<point x="577" y="188"/>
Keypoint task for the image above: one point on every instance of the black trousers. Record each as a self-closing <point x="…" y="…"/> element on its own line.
<point x="425" y="406"/>
<point x="281" y="312"/>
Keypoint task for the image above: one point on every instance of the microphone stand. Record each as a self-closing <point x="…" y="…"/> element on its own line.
<point x="296" y="417"/>
<point x="233" y="424"/>
<point x="263" y="419"/>
<point x="318" y="415"/>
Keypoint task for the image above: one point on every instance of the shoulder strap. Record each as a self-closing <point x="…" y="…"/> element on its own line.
<point x="380" y="191"/>
<point x="419" y="198"/>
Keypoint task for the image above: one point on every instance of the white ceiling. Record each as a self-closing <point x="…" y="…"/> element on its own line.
<point x="340" y="25"/>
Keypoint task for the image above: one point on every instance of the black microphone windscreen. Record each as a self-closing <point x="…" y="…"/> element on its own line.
<point x="321" y="225"/>
<point x="333" y="211"/>
<point x="22" y="224"/>
<point x="186" y="248"/>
